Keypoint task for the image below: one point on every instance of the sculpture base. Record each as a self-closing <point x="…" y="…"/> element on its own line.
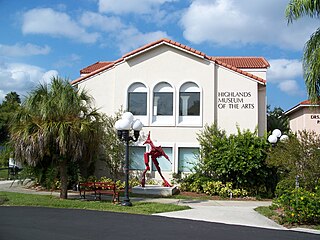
<point x="155" y="190"/>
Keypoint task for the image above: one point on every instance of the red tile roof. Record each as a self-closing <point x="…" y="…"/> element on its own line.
<point x="305" y="102"/>
<point x="244" y="62"/>
<point x="94" y="67"/>
<point x="232" y="63"/>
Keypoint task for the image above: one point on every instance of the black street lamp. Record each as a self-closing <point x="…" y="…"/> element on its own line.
<point x="124" y="126"/>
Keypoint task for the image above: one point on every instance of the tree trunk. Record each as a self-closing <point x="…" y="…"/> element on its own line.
<point x="63" y="179"/>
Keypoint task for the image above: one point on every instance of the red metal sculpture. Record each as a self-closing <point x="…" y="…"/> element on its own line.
<point x="155" y="153"/>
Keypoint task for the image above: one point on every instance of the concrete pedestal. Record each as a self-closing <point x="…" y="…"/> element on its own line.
<point x="155" y="190"/>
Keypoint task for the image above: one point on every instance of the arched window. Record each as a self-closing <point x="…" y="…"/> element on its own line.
<point x="189" y="100"/>
<point x="163" y="100"/>
<point x="137" y="99"/>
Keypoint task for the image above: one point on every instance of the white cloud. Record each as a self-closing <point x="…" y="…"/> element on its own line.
<point x="132" y="38"/>
<point x="126" y="37"/>
<point x="101" y="22"/>
<point x="290" y="87"/>
<point x="286" y="73"/>
<point x="130" y="6"/>
<point x="2" y="95"/>
<point x="230" y="22"/>
<point x="68" y="61"/>
<point x="21" y="78"/>
<point x="48" y="75"/>
<point x="59" y="24"/>
<point x="284" y="69"/>
<point x="20" y="50"/>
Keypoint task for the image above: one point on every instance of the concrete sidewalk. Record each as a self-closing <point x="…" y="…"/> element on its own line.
<point x="228" y="212"/>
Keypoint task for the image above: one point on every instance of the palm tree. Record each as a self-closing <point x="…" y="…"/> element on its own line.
<point x="311" y="57"/>
<point x="57" y="121"/>
<point x="276" y="119"/>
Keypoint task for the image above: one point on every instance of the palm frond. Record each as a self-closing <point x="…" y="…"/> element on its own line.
<point x="311" y="66"/>
<point x="299" y="8"/>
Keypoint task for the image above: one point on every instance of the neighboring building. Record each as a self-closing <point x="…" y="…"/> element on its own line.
<point x="304" y="116"/>
<point x="175" y="91"/>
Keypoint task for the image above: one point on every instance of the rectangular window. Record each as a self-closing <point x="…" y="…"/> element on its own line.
<point x="187" y="157"/>
<point x="189" y="104"/>
<point x="164" y="164"/>
<point x="163" y="104"/>
<point x="137" y="103"/>
<point x="136" y="158"/>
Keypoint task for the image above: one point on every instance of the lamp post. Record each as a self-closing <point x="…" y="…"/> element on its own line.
<point x="273" y="139"/>
<point x="277" y="135"/>
<point x="124" y="126"/>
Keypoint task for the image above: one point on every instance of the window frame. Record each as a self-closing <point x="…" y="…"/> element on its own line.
<point x="178" y="167"/>
<point x="190" y="120"/>
<point x="163" y="120"/>
<point x="139" y="87"/>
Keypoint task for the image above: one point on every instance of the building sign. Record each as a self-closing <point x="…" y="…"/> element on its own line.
<point x="316" y="117"/>
<point x="235" y="100"/>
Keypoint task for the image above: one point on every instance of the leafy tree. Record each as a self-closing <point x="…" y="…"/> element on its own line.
<point x="237" y="158"/>
<point x="12" y="98"/>
<point x="8" y="107"/>
<point x="276" y="119"/>
<point x="298" y="156"/>
<point x="311" y="61"/>
<point x="113" y="148"/>
<point x="57" y="122"/>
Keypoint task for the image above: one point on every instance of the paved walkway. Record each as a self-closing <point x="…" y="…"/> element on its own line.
<point x="228" y="212"/>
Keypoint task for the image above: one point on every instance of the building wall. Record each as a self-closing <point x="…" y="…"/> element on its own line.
<point x="176" y="67"/>
<point x="262" y="73"/>
<point x="305" y="118"/>
<point x="102" y="88"/>
<point x="237" y="101"/>
<point x="262" y="109"/>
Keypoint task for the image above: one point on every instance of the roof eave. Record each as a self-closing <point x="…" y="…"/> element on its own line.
<point x="297" y="107"/>
<point x="176" y="45"/>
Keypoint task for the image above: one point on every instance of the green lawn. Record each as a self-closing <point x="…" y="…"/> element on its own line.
<point x="19" y="199"/>
<point x="4" y="174"/>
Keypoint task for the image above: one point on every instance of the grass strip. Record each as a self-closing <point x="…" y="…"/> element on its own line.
<point x="3" y="174"/>
<point x="266" y="211"/>
<point x="146" y="208"/>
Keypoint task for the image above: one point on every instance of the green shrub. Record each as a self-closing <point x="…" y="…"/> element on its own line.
<point x="212" y="187"/>
<point x="223" y="190"/>
<point x="134" y="182"/>
<point x="105" y="180"/>
<point x="195" y="183"/>
<point x="287" y="184"/>
<point x="236" y="158"/>
<point x="300" y="206"/>
<point x="298" y="156"/>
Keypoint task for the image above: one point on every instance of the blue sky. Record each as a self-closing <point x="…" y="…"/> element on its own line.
<point x="42" y="38"/>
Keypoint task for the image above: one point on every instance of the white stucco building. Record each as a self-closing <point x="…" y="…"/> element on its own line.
<point x="175" y="91"/>
<point x="304" y="116"/>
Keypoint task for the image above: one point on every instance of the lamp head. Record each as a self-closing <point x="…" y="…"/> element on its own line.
<point x="128" y="115"/>
<point x="137" y="125"/>
<point x="272" y="139"/>
<point x="277" y="133"/>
